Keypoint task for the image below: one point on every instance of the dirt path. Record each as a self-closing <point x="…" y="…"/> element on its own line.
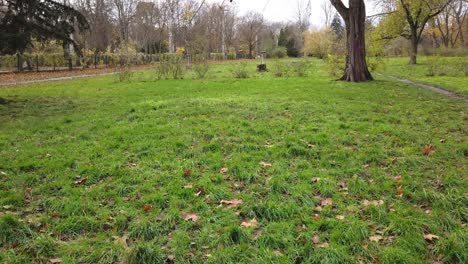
<point x="427" y="87"/>
<point x="54" y="79"/>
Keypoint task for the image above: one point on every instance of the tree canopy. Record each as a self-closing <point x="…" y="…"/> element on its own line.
<point x="21" y="21"/>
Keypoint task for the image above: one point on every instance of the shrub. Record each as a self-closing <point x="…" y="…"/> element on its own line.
<point x="375" y="63"/>
<point x="240" y="71"/>
<point x="279" y="53"/>
<point x="124" y="73"/>
<point x="170" y="65"/>
<point x="301" y="68"/>
<point x="231" y="55"/>
<point x="335" y="65"/>
<point x="279" y="68"/>
<point x="201" y="68"/>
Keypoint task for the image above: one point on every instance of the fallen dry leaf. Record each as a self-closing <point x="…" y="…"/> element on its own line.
<point x="311" y="146"/>
<point x="340" y="217"/>
<point x="323" y="245"/>
<point x="315" y="179"/>
<point x="223" y="171"/>
<point x="121" y="240"/>
<point x="231" y="203"/>
<point x="431" y="237"/>
<point x="55" y="260"/>
<point x="250" y="223"/>
<point x="366" y="166"/>
<point x="316" y="216"/>
<point x="170" y="258"/>
<point x="316" y="239"/>
<point x="342" y="186"/>
<point x="187" y="172"/>
<point x="442" y="140"/>
<point x="375" y="238"/>
<point x="265" y="164"/>
<point x="428" y="150"/>
<point x="147" y="207"/>
<point x="191" y="217"/>
<point x="373" y="202"/>
<point x="399" y="191"/>
<point x="397" y="178"/>
<point x="326" y="201"/>
<point x="278" y="253"/>
<point x="81" y="181"/>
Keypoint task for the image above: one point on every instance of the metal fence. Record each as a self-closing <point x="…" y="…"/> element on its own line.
<point x="59" y="62"/>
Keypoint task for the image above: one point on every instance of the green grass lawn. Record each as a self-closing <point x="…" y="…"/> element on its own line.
<point x="447" y="72"/>
<point x="223" y="170"/>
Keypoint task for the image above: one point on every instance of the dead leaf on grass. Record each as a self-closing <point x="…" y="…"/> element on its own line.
<point x="315" y="179"/>
<point x="326" y="201"/>
<point x="340" y="217"/>
<point x="223" y="171"/>
<point x="399" y="191"/>
<point x="373" y="202"/>
<point x="265" y="164"/>
<point x="397" y="178"/>
<point x="250" y="223"/>
<point x="428" y="150"/>
<point x="375" y="238"/>
<point x="431" y="237"/>
<point x="316" y="239"/>
<point x="55" y="260"/>
<point x="191" y="217"/>
<point x="231" y="203"/>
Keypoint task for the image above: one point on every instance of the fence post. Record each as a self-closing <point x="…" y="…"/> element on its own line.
<point x="18" y="62"/>
<point x="37" y="63"/>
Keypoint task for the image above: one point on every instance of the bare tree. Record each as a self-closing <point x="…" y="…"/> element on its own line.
<point x="248" y="30"/>
<point x="124" y="14"/>
<point x="329" y="12"/>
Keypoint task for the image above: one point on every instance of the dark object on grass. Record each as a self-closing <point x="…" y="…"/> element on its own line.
<point x="3" y="101"/>
<point x="261" y="67"/>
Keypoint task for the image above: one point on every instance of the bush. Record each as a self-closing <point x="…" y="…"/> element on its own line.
<point x="124" y="73"/>
<point x="170" y="65"/>
<point x="201" y="69"/>
<point x="279" y="68"/>
<point x="240" y="71"/>
<point x="301" y="68"/>
<point x="335" y="65"/>
<point x="278" y="53"/>
<point x="231" y="55"/>
<point x="462" y="64"/>
<point x="375" y="63"/>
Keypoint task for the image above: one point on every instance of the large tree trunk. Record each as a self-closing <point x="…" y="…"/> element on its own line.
<point x="414" y="49"/>
<point x="355" y="18"/>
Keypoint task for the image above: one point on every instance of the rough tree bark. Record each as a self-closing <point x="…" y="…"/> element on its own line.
<point x="355" y="18"/>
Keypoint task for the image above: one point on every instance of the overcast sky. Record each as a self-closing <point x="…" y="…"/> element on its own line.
<point x="281" y="10"/>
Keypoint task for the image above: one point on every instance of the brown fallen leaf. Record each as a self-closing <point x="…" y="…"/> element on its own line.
<point x="375" y="238"/>
<point x="311" y="146"/>
<point x="223" y="171"/>
<point x="55" y="260"/>
<point x="315" y="179"/>
<point x="122" y="241"/>
<point x="231" y="203"/>
<point x="278" y="253"/>
<point x="326" y="201"/>
<point x="340" y="217"/>
<point x="170" y="258"/>
<point x="316" y="216"/>
<point x="428" y="150"/>
<point x="342" y="186"/>
<point x="316" y="239"/>
<point x="442" y="140"/>
<point x="191" y="217"/>
<point x="250" y="223"/>
<point x="431" y="237"/>
<point x="399" y="191"/>
<point x="265" y="164"/>
<point x="147" y="207"/>
<point x="373" y="202"/>
<point x="188" y="186"/>
<point x="394" y="159"/>
<point x="366" y="166"/>
<point x="323" y="245"/>
<point x="397" y="178"/>
<point x="81" y="181"/>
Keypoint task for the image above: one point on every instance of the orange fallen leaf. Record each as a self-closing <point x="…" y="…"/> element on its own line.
<point x="431" y="237"/>
<point x="399" y="191"/>
<point x="187" y="172"/>
<point x="147" y="207"/>
<point x="191" y="217"/>
<point x="397" y="178"/>
<point x="428" y="150"/>
<point x="250" y="223"/>
<point x="231" y="203"/>
<point x="375" y="238"/>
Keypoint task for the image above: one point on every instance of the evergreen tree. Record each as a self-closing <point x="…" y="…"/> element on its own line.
<point x="337" y="27"/>
<point x="25" y="20"/>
